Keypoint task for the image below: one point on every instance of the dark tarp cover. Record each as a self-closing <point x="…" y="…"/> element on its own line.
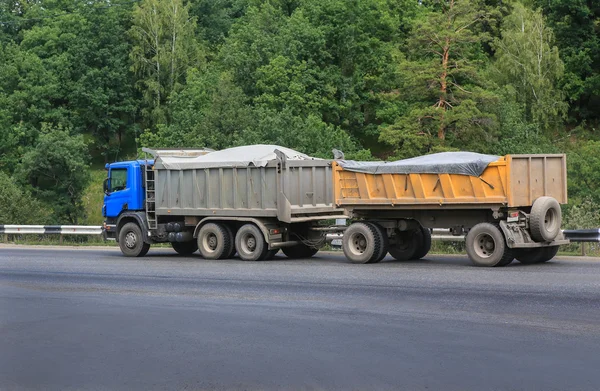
<point x="464" y="163"/>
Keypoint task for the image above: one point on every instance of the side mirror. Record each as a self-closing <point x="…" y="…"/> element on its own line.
<point x="105" y="186"/>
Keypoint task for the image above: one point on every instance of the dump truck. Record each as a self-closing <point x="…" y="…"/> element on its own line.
<point x="256" y="200"/>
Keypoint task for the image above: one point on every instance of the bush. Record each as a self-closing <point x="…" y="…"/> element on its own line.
<point x="17" y="206"/>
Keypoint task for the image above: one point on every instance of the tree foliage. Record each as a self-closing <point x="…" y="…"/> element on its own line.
<point x="440" y="85"/>
<point x="527" y="59"/>
<point x="96" y="79"/>
<point x="164" y="47"/>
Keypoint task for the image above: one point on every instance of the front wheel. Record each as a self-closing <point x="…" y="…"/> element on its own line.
<point x="362" y="243"/>
<point x="132" y="242"/>
<point x="486" y="246"/>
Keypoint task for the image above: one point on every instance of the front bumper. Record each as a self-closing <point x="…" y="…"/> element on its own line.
<point x="109" y="231"/>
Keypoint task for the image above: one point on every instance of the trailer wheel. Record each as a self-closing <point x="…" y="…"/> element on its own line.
<point x="299" y="251"/>
<point x="486" y="246"/>
<point x="271" y="254"/>
<point x="424" y="243"/>
<point x="215" y="241"/>
<point x="550" y="253"/>
<point x="250" y="243"/>
<point x="536" y="255"/>
<point x="545" y="219"/>
<point x="384" y="242"/>
<point x="406" y="246"/>
<point x="131" y="241"/>
<point x="361" y="243"/>
<point x="185" y="248"/>
<point x="529" y="256"/>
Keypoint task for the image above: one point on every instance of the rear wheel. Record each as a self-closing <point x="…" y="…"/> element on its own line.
<point x="536" y="255"/>
<point x="384" y="242"/>
<point x="185" y="248"/>
<point x="300" y="250"/>
<point x="215" y="241"/>
<point x="250" y="243"/>
<point x="361" y="243"/>
<point x="549" y="253"/>
<point x="271" y="254"/>
<point x="405" y="245"/>
<point x="132" y="242"/>
<point x="424" y="243"/>
<point x="486" y="246"/>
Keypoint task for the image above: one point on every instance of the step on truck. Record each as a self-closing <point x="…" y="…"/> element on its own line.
<point x="256" y="200"/>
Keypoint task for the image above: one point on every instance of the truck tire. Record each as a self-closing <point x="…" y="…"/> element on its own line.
<point x="406" y="246"/>
<point x="486" y="246"/>
<point x="214" y="241"/>
<point x="424" y="243"/>
<point x="384" y="242"/>
<point x="545" y="219"/>
<point x="271" y="254"/>
<point x="250" y="243"/>
<point x="549" y="253"/>
<point x="231" y="234"/>
<point x="299" y="251"/>
<point x="361" y="243"/>
<point x="536" y="255"/>
<point x="529" y="256"/>
<point x="185" y="248"/>
<point x="131" y="241"/>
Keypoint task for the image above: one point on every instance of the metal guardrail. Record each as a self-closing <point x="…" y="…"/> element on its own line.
<point x="51" y="229"/>
<point x="583" y="235"/>
<point x="444" y="235"/>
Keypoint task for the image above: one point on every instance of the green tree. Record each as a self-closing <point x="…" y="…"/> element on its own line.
<point x="164" y="48"/>
<point x="444" y="102"/>
<point x="56" y="170"/>
<point x="527" y="59"/>
<point x="575" y="24"/>
<point x="583" y="161"/>
<point x="18" y="206"/>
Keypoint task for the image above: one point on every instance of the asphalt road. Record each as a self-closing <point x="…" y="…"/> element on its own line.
<point x="92" y="319"/>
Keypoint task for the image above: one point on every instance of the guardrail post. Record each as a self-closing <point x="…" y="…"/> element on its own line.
<point x="583" y="253"/>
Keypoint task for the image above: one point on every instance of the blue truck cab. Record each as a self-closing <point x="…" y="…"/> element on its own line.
<point x="124" y="195"/>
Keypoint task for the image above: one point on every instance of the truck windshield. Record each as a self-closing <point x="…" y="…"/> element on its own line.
<point x="118" y="179"/>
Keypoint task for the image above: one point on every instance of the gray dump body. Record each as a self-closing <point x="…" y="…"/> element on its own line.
<point x="289" y="190"/>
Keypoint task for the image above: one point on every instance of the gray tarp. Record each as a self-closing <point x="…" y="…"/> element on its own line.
<point x="465" y="163"/>
<point x="255" y="155"/>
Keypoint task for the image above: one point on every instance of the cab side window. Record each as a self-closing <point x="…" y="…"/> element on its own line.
<point x="118" y="179"/>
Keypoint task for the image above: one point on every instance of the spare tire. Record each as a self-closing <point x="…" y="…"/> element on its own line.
<point x="545" y="219"/>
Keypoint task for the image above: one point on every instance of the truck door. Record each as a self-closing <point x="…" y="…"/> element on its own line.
<point x="118" y="191"/>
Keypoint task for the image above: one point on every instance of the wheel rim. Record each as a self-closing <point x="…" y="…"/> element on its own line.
<point x="485" y="245"/>
<point x="550" y="219"/>
<point x="130" y="239"/>
<point x="248" y="243"/>
<point x="358" y="243"/>
<point x="210" y="242"/>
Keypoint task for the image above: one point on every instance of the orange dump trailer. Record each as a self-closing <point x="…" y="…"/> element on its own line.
<point x="509" y="209"/>
<point x="511" y="181"/>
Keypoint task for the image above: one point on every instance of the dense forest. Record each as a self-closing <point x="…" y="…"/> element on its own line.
<point x="88" y="82"/>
